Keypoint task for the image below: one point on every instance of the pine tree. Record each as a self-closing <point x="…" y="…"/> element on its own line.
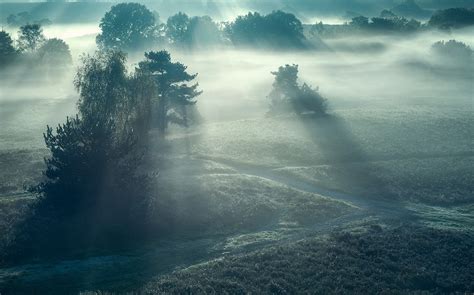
<point x="174" y="93"/>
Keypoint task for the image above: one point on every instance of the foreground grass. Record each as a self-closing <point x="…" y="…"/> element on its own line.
<point x="399" y="260"/>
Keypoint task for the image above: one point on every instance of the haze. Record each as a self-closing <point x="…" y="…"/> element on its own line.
<point x="357" y="178"/>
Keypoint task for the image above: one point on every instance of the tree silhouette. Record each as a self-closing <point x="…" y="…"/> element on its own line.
<point x="198" y="31"/>
<point x="30" y="37"/>
<point x="7" y="50"/>
<point x="177" y="27"/>
<point x="277" y="30"/>
<point x="92" y="192"/>
<point x="128" y="26"/>
<point x="173" y="92"/>
<point x="55" y="52"/>
<point x="287" y="96"/>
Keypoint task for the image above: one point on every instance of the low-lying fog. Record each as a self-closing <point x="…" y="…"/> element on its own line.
<point x="399" y="71"/>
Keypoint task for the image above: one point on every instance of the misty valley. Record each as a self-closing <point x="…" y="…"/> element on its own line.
<point x="237" y="147"/>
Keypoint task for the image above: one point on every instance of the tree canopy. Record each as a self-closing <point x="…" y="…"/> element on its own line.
<point x="128" y="26"/>
<point x="7" y="50"/>
<point x="276" y="30"/>
<point x="30" y="37"/>
<point x="452" y="18"/>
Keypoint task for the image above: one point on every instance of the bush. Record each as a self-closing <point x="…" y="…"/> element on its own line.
<point x="288" y="96"/>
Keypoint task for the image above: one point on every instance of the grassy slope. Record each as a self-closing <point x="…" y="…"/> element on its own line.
<point x="393" y="261"/>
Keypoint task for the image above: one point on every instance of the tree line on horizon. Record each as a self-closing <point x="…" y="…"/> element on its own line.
<point x="34" y="49"/>
<point x="390" y="23"/>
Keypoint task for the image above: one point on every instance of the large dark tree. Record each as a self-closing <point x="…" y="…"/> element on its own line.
<point x="92" y="192"/>
<point x="30" y="37"/>
<point x="172" y="89"/>
<point x="128" y="26"/>
<point x="277" y="30"/>
<point x="7" y="50"/>
<point x="288" y="96"/>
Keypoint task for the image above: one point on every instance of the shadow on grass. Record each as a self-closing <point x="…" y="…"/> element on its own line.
<point x="352" y="168"/>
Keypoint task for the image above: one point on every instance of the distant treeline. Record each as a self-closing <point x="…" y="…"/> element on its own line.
<point x="132" y="27"/>
<point x="389" y="22"/>
<point x="71" y="12"/>
<point x="33" y="49"/>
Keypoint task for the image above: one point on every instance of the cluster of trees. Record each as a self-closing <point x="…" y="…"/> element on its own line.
<point x="34" y="49"/>
<point x="132" y="26"/>
<point x="452" y="18"/>
<point x="277" y="29"/>
<point x="387" y="22"/>
<point x="287" y="95"/>
<point x="390" y="22"/>
<point x="453" y="50"/>
<point x="92" y="178"/>
<point x="24" y="18"/>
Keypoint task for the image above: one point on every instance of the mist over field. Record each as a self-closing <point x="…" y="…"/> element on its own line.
<point x="330" y="150"/>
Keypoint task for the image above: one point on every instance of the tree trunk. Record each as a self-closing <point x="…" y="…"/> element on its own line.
<point x="162" y="112"/>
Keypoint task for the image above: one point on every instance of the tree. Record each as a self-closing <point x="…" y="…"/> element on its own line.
<point x="176" y="28"/>
<point x="92" y="190"/>
<point x="55" y="52"/>
<point x="30" y="37"/>
<point x="172" y="89"/>
<point x="198" y="31"/>
<point x="202" y="32"/>
<point x="288" y="96"/>
<point x="128" y="26"/>
<point x="7" y="51"/>
<point x="277" y="30"/>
